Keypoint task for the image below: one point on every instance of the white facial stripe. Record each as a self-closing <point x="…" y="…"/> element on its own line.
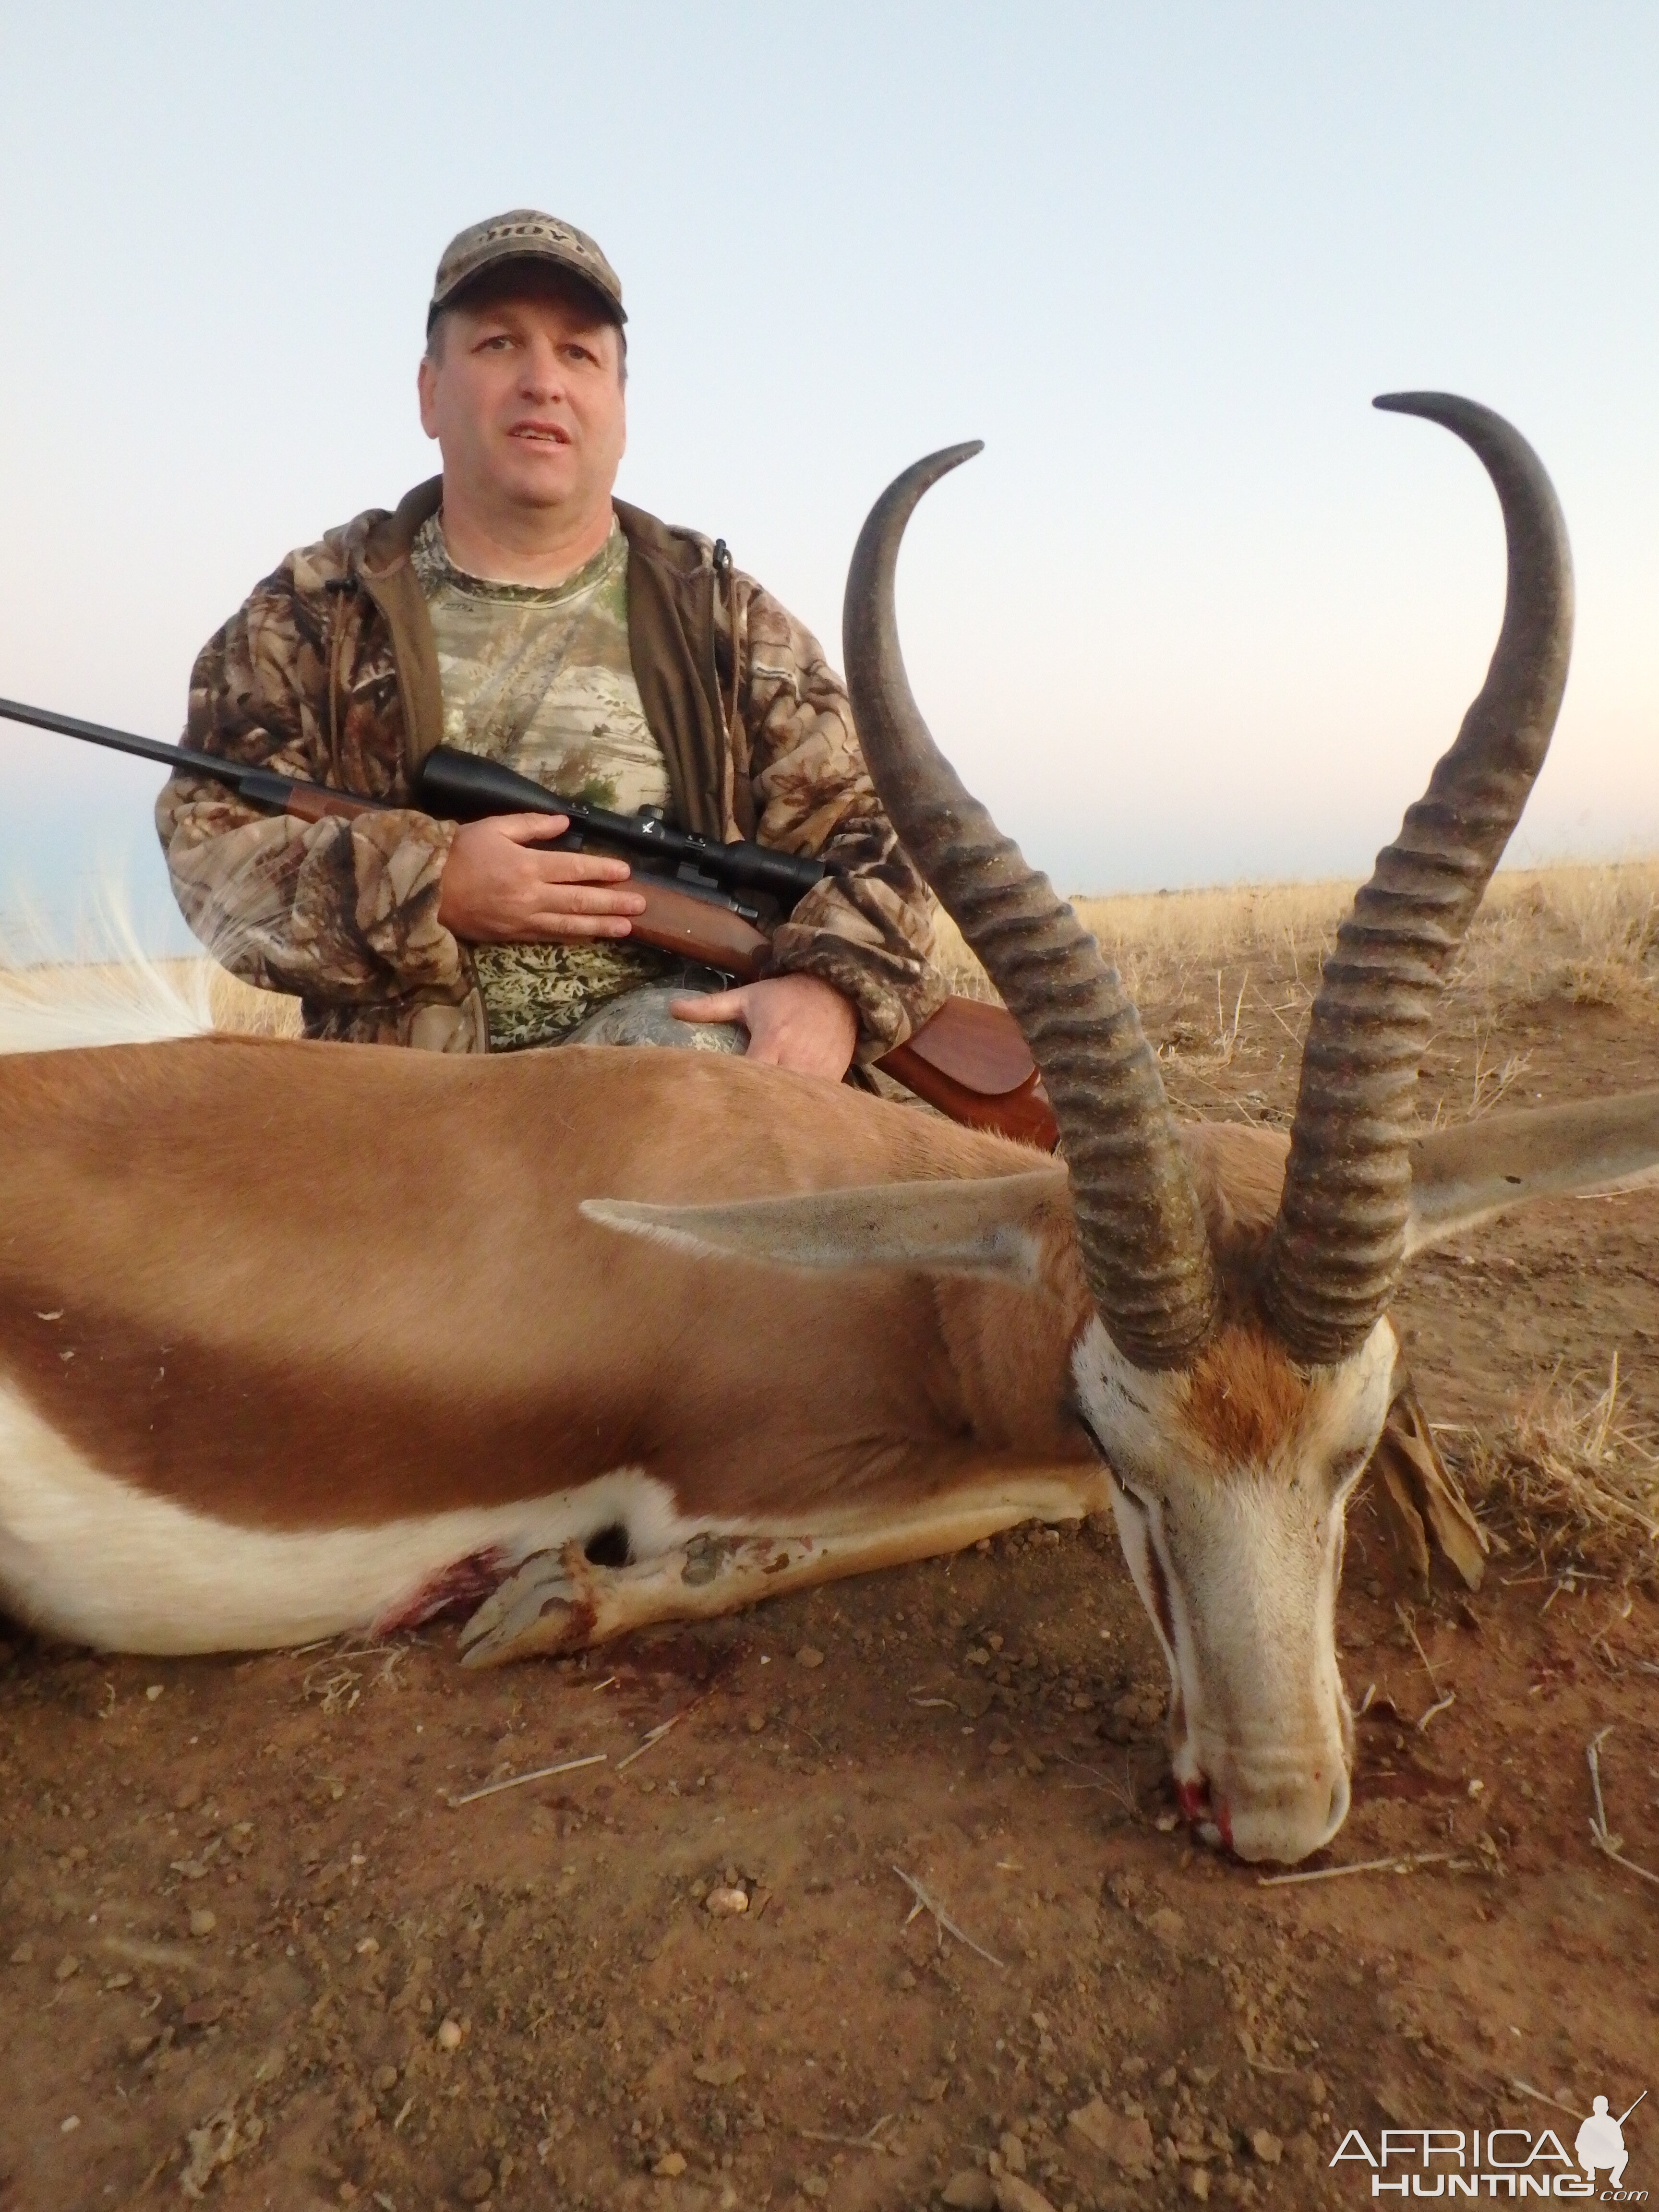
<point x="1134" y="1534"/>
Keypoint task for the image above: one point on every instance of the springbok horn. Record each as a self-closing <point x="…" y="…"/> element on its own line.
<point x="1143" y="1247"/>
<point x="1339" y="1242"/>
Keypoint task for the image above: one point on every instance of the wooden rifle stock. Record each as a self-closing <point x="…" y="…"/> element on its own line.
<point x="970" y="1059"/>
<point x="959" y="1060"/>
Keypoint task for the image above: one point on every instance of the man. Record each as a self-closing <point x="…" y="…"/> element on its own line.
<point x="513" y="607"/>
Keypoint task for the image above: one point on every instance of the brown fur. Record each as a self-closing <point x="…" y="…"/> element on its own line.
<point x="1244" y="1398"/>
<point x="1239" y="1172"/>
<point x="318" y="1286"/>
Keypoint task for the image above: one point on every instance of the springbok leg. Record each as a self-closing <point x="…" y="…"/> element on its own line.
<point x="560" y="1601"/>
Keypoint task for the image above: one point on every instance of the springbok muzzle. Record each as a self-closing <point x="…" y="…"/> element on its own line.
<point x="1240" y="1581"/>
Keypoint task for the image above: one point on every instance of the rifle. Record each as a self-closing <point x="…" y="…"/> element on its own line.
<point x="704" y="900"/>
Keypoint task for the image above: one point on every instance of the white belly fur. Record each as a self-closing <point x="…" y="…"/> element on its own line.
<point x="87" y="1556"/>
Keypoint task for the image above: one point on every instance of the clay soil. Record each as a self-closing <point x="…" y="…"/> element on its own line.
<point x="251" y="1952"/>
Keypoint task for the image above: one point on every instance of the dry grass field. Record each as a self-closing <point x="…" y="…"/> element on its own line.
<point x="254" y="1951"/>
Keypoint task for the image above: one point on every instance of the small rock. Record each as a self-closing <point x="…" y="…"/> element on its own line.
<point x="385" y="2077"/>
<point x="66" y="1966"/>
<point x="670" y="2165"/>
<point x="1197" y="2179"/>
<point x="23" y="1954"/>
<point x="757" y="1722"/>
<point x="1013" y="2153"/>
<point x="138" y="2045"/>
<point x="68" y="2127"/>
<point x="1315" y="2087"/>
<point x="809" y="1656"/>
<point x="1126" y="2139"/>
<point x="970" y="2190"/>
<point x="476" y="2186"/>
<point x="1166" y="1925"/>
<point x="203" y="1921"/>
<point x="1014" y="2195"/>
<point x="154" y="1691"/>
<point x="718" y="2073"/>
<point x="726" y="1900"/>
<point x="450" y="2033"/>
<point x="189" y="1795"/>
<point x="814" y="2184"/>
<point x="1267" y="2146"/>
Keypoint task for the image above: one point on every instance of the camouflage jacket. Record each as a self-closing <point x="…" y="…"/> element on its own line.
<point x="329" y="672"/>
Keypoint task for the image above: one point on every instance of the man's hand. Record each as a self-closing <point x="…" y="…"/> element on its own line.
<point x="495" y="890"/>
<point x="792" y="1021"/>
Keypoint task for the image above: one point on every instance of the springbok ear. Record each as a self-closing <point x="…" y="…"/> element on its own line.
<point x="1464" y="1176"/>
<point x="987" y="1225"/>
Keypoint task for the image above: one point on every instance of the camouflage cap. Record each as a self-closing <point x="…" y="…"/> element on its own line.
<point x="523" y="235"/>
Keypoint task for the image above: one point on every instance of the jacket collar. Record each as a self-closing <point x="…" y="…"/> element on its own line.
<point x="386" y="543"/>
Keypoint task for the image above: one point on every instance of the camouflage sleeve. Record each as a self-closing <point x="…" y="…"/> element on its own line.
<point x="340" y="913"/>
<point x="868" y="928"/>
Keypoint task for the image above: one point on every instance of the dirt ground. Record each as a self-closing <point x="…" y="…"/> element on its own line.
<point x="251" y="1951"/>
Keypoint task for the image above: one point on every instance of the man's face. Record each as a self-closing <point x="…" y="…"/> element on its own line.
<point x="526" y="397"/>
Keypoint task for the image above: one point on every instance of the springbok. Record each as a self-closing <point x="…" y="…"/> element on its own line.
<point x="298" y="1338"/>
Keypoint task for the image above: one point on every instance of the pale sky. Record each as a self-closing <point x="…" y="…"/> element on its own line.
<point x="1197" y="613"/>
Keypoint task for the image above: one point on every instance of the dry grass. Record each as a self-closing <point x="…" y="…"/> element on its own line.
<point x="1575" y="1482"/>
<point x="1589" y="934"/>
<point x="239" y="1006"/>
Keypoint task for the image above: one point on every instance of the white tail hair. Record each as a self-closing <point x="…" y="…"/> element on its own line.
<point x="108" y="990"/>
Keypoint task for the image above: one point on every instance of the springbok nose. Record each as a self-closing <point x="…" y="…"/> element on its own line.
<point x="1286" y="1823"/>
<point x="1341" y="1797"/>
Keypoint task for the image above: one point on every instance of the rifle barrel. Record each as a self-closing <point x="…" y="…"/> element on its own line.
<point x="120" y="741"/>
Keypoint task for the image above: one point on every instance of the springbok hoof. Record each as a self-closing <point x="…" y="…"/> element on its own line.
<point x="545" y="1608"/>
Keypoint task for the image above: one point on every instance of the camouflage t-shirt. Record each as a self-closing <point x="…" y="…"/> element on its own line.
<point x="541" y="680"/>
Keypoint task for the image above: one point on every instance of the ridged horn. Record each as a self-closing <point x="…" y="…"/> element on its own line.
<point x="1339" y="1242"/>
<point x="1142" y="1235"/>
